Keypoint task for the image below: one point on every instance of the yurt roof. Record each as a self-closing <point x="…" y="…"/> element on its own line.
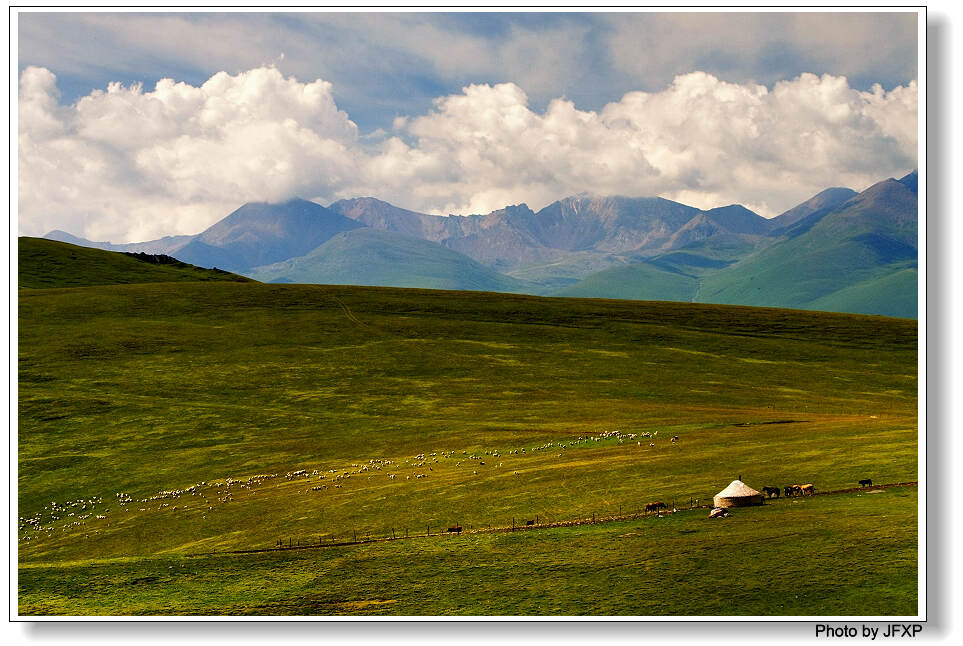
<point x="738" y="489"/>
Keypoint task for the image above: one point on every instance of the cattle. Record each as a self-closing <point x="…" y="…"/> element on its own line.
<point x="866" y="483"/>
<point x="807" y="489"/>
<point x="456" y="529"/>
<point x="771" y="491"/>
<point x="654" y="506"/>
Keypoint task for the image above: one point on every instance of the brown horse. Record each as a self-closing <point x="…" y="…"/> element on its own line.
<point x="654" y="506"/>
<point x="808" y="489"/>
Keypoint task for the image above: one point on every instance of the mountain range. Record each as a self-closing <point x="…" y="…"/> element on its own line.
<point x="839" y="250"/>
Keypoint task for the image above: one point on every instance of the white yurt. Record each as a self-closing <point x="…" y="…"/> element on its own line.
<point x="737" y="494"/>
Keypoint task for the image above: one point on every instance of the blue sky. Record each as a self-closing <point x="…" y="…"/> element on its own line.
<point x="385" y="65"/>
<point x="450" y="112"/>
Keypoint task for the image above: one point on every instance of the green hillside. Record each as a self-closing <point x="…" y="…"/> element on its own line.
<point x="160" y="423"/>
<point x="824" y="258"/>
<point x="638" y="281"/>
<point x="45" y="263"/>
<point x="892" y="294"/>
<point x="373" y="257"/>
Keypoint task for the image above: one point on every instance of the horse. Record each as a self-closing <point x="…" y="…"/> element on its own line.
<point x="866" y="483"/>
<point x="771" y="491"/>
<point x="455" y="529"/>
<point x="788" y="491"/>
<point x="529" y="522"/>
<point x="808" y="488"/>
<point x="654" y="506"/>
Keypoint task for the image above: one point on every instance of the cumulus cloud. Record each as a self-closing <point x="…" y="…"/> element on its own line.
<point x="127" y="164"/>
<point x="701" y="141"/>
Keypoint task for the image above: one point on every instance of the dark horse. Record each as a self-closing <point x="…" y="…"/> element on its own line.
<point x="866" y="483"/>
<point x="771" y="491"/>
<point x="654" y="506"/>
<point x="788" y="491"/>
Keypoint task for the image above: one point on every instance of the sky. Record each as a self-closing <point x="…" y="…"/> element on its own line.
<point x="135" y="125"/>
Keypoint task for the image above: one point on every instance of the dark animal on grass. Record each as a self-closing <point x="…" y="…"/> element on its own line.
<point x="654" y="506"/>
<point x="529" y="522"/>
<point x="787" y="491"/>
<point x="771" y="491"/>
<point x="455" y="529"/>
<point x="808" y="489"/>
<point x="866" y="483"/>
<point x="797" y="490"/>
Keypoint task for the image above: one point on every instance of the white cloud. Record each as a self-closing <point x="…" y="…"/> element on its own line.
<point x="125" y="163"/>
<point x="128" y="164"/>
<point x="701" y="141"/>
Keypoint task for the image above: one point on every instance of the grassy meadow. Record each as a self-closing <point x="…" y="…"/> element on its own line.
<point x="164" y="424"/>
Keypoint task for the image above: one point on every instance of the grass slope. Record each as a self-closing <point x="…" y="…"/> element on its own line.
<point x="43" y="263"/>
<point x="373" y="257"/>
<point x="638" y="281"/>
<point x="758" y="562"/>
<point x="824" y="258"/>
<point x="229" y="416"/>
<point x="892" y="294"/>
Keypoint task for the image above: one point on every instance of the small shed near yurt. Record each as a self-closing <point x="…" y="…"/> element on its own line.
<point x="737" y="494"/>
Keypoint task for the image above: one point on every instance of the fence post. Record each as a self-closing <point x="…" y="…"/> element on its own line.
<point x="355" y="534"/>
<point x="429" y="530"/>
<point x="513" y="523"/>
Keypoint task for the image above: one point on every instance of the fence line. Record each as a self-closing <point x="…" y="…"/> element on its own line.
<point x="295" y="544"/>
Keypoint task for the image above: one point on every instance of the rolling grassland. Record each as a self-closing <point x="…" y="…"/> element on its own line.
<point x="164" y="425"/>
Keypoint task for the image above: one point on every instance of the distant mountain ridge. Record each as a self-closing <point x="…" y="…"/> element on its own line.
<point x="612" y="247"/>
<point x="868" y="241"/>
<point x="259" y="234"/>
<point x="367" y="256"/>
